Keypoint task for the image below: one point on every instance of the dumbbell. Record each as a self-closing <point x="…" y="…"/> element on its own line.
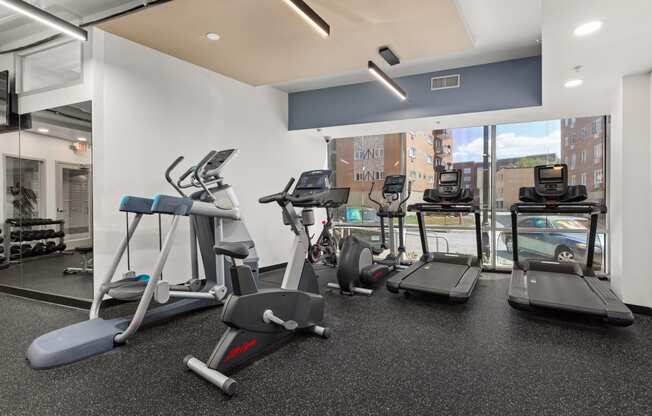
<point x="49" y="233"/>
<point x="14" y="236"/>
<point x="38" y="249"/>
<point x="50" y="246"/>
<point x="61" y="247"/>
<point x="26" y="250"/>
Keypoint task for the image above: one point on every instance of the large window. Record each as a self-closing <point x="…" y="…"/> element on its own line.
<point x="496" y="161"/>
<point x="520" y="147"/>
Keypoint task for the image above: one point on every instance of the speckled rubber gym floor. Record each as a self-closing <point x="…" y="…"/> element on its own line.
<point x="388" y="355"/>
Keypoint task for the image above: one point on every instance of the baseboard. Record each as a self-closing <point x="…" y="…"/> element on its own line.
<point x="641" y="310"/>
<point x="47" y="297"/>
<point x="272" y="267"/>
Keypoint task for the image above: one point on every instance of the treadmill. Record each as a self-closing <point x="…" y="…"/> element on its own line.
<point x="550" y="285"/>
<point x="449" y="275"/>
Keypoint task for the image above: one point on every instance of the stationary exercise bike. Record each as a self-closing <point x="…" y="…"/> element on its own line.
<point x="357" y="271"/>
<point x="258" y="319"/>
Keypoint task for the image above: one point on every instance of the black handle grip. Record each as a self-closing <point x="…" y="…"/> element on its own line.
<point x="278" y="197"/>
<point x="289" y="185"/>
<point x="271" y="198"/>
<point x="186" y="173"/>
<point x="171" y="168"/>
<point x="380" y="206"/>
<point x="408" y="194"/>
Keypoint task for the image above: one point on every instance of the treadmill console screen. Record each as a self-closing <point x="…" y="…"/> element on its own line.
<point x="394" y="184"/>
<point x="449" y="183"/>
<point x="448" y="178"/>
<point x="551" y="180"/>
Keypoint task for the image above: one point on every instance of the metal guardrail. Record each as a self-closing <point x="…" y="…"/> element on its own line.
<point x="448" y="228"/>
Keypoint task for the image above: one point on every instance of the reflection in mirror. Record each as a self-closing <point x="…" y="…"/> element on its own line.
<point x="47" y="207"/>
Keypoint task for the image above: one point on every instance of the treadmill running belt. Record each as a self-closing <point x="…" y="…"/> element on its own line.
<point x="563" y="291"/>
<point x="435" y="277"/>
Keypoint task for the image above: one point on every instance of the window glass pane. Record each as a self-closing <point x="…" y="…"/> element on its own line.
<point x="50" y="67"/>
<point x="520" y="147"/>
<point x="359" y="163"/>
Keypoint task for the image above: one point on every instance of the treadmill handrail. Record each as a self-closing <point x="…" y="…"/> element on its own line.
<point x="593" y="209"/>
<point x="563" y="208"/>
<point x="452" y="208"/>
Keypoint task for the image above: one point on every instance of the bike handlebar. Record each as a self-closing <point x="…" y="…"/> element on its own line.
<point x="279" y="196"/>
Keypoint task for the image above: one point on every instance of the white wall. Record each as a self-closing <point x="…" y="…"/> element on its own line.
<point x="39" y="147"/>
<point x="630" y="190"/>
<point x="148" y="108"/>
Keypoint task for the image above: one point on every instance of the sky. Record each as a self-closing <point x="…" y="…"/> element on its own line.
<point x="512" y="140"/>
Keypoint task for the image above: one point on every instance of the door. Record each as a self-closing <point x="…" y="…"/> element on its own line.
<point x="74" y="203"/>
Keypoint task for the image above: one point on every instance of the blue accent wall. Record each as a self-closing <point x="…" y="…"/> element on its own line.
<point x="496" y="86"/>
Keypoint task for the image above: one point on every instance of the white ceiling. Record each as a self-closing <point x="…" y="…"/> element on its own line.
<point x="17" y="30"/>
<point x="622" y="47"/>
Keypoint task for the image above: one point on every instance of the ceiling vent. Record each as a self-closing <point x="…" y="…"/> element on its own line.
<point x="445" y="82"/>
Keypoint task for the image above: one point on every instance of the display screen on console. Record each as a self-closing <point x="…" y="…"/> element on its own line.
<point x="219" y="158"/>
<point x="448" y="177"/>
<point x="551" y="174"/>
<point x="394" y="184"/>
<point x="314" y="180"/>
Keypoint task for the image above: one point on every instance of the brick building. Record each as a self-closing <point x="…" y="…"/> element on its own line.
<point x="582" y="149"/>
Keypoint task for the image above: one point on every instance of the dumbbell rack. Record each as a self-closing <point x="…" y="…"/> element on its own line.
<point x="28" y="233"/>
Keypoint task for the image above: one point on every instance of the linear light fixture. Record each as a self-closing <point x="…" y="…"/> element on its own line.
<point x="46" y="18"/>
<point x="310" y="16"/>
<point x="387" y="81"/>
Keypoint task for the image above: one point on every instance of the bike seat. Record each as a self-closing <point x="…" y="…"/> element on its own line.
<point x="237" y="250"/>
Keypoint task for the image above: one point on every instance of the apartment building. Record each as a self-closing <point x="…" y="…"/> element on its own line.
<point x="582" y="149"/>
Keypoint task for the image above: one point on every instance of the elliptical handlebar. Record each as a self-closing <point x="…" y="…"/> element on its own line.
<point x="403" y="201"/>
<point x="380" y="206"/>
<point x="197" y="180"/>
<point x="168" y="178"/>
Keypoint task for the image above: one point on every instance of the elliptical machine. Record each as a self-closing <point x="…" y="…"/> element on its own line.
<point x="357" y="271"/>
<point x="258" y="319"/>
<point x="214" y="215"/>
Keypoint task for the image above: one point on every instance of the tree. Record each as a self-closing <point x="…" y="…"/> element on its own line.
<point x="530" y="162"/>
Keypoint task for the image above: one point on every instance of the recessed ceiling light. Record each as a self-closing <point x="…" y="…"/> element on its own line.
<point x="42" y="130"/>
<point x="212" y="36"/>
<point x="588" y="28"/>
<point x="82" y="139"/>
<point x="572" y="83"/>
